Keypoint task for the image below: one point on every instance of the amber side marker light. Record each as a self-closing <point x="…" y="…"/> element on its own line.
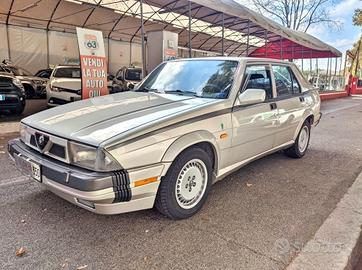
<point x="145" y="181"/>
<point x="223" y="136"/>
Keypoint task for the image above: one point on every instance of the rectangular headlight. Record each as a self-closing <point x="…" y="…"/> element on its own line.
<point x="91" y="158"/>
<point x="24" y="134"/>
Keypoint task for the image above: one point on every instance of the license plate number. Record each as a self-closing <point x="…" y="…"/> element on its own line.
<point x="28" y="167"/>
<point x="2" y="97"/>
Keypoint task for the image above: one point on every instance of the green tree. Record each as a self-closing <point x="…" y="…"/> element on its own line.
<point x="298" y="14"/>
<point x="357" y="17"/>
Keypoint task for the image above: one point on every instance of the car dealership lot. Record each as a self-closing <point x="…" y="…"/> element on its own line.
<point x="245" y="223"/>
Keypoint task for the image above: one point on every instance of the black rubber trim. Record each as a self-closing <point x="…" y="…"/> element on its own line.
<point x="121" y="187"/>
<point x="80" y="179"/>
<point x="175" y="125"/>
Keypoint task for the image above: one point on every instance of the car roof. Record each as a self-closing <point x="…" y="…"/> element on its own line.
<point x="67" y="66"/>
<point x="6" y="74"/>
<point x="238" y="59"/>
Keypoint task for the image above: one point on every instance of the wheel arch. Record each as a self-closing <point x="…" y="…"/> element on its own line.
<point x="203" y="139"/>
<point x="308" y="116"/>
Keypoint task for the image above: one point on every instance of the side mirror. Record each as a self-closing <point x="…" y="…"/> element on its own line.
<point x="110" y="77"/>
<point x="252" y="96"/>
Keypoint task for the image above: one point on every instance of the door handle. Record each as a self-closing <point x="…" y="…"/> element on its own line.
<point x="273" y="106"/>
<point x="301" y="98"/>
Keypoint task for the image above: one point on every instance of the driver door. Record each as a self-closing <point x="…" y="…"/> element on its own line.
<point x="254" y="126"/>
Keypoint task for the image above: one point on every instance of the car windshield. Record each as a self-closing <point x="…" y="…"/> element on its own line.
<point x="67" y="72"/>
<point x="133" y="74"/>
<point x="201" y="78"/>
<point x="18" y="71"/>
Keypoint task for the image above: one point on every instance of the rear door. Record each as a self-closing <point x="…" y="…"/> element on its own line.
<point x="290" y="102"/>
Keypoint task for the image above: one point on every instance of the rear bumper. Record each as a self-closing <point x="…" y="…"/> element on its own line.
<point x="102" y="193"/>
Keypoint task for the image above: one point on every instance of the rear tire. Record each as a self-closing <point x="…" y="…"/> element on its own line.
<point x="184" y="189"/>
<point x="19" y="110"/>
<point x="300" y="146"/>
<point x="29" y="91"/>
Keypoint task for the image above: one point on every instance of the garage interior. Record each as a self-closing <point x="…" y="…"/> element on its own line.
<point x="41" y="33"/>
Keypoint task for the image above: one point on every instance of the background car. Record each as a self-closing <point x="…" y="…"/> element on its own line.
<point x="34" y="86"/>
<point x="12" y="94"/>
<point x="64" y="85"/>
<point x="126" y="78"/>
<point x="44" y="73"/>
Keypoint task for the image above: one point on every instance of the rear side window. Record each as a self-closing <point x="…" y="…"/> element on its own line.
<point x="296" y="86"/>
<point x="285" y="81"/>
<point x="258" y="77"/>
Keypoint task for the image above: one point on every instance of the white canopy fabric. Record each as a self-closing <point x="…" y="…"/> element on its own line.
<point x="120" y="20"/>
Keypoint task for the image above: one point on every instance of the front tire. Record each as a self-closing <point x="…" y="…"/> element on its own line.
<point x="300" y="146"/>
<point x="185" y="187"/>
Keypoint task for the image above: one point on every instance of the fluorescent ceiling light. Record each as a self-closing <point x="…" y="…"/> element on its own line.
<point x="75" y="2"/>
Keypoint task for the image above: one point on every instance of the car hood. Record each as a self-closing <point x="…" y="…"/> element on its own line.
<point x="31" y="78"/>
<point x="96" y="120"/>
<point x="68" y="83"/>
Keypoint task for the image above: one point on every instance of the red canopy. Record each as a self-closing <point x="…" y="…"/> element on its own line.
<point x="287" y="49"/>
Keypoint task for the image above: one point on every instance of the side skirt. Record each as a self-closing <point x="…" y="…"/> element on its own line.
<point x="232" y="168"/>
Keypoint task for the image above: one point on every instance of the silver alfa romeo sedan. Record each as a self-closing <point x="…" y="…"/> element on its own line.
<point x="188" y="124"/>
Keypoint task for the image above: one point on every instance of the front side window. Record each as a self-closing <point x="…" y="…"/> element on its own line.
<point x="283" y="80"/>
<point x="258" y="77"/>
<point x="72" y="73"/>
<point x="133" y="74"/>
<point x="201" y="78"/>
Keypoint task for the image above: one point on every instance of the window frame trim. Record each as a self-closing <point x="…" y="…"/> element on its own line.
<point x="290" y="69"/>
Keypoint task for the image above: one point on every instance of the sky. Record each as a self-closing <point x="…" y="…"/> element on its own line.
<point x="343" y="38"/>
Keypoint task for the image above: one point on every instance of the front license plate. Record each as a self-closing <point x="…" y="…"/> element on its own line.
<point x="28" y="167"/>
<point x="2" y="97"/>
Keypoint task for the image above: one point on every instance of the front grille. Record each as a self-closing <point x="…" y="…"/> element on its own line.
<point x="9" y="100"/>
<point x="121" y="187"/>
<point x="54" y="146"/>
<point x="57" y="150"/>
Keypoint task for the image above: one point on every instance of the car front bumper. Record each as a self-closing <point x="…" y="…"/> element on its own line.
<point x="62" y="97"/>
<point x="103" y="193"/>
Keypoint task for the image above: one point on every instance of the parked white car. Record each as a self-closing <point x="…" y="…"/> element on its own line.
<point x="188" y="124"/>
<point x="64" y="85"/>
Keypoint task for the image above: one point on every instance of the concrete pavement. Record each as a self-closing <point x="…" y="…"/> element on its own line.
<point x="240" y="226"/>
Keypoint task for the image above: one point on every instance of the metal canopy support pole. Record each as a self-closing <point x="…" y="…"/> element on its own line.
<point x="330" y="74"/>
<point x="47" y="39"/>
<point x="340" y="66"/>
<point x="281" y="48"/>
<point x="327" y="73"/>
<point x="317" y="68"/>
<point x="223" y="36"/>
<point x="266" y="42"/>
<point x="7" y="28"/>
<point x="302" y="61"/>
<point x="248" y="39"/>
<point x="8" y="40"/>
<point x="335" y="66"/>
<point x="310" y="63"/>
<point x="190" y="21"/>
<point x="143" y="42"/>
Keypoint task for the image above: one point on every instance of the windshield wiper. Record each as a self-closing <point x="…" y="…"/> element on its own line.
<point x="180" y="92"/>
<point x="146" y="89"/>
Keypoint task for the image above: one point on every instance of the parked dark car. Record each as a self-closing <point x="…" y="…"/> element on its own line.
<point x="126" y="78"/>
<point x="34" y="86"/>
<point x="12" y="94"/>
<point x="44" y="73"/>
